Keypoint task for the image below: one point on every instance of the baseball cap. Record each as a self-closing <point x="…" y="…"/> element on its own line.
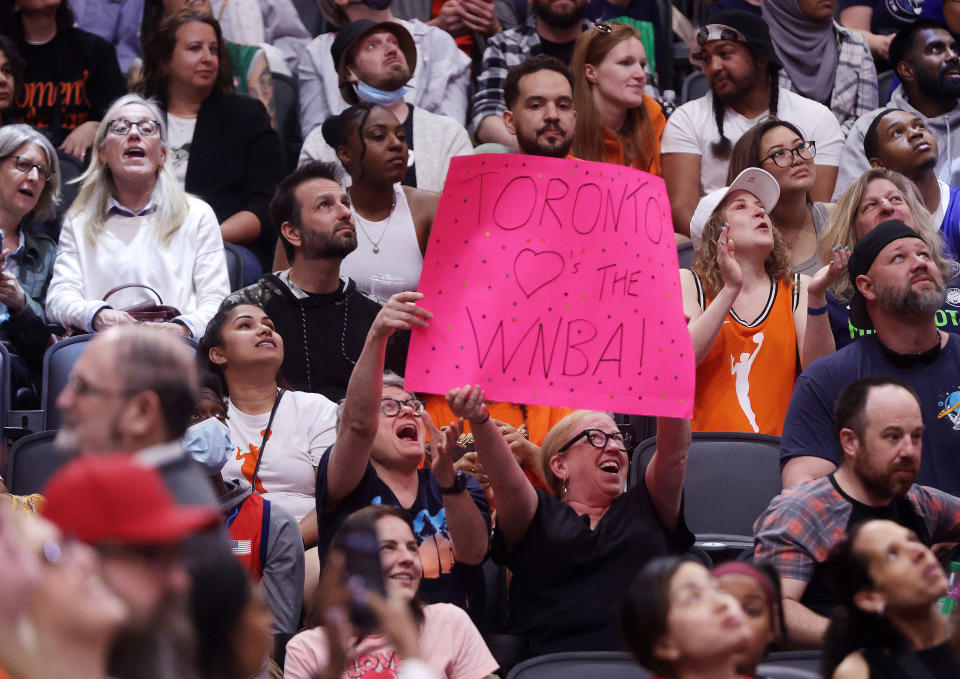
<point x="738" y="26"/>
<point x="758" y="182"/>
<point x="98" y="498"/>
<point x="354" y="31"/>
<point x="862" y="258"/>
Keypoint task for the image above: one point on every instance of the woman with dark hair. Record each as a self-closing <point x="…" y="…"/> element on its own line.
<point x="782" y="150"/>
<point x="678" y="621"/>
<point x="617" y="122"/>
<point x="393" y="220"/>
<point x="756" y="587"/>
<point x="11" y="79"/>
<point x="887" y="624"/>
<point x="71" y="76"/>
<point x="279" y="436"/>
<point x="224" y="149"/>
<point x="449" y="643"/>
<point x="749" y="316"/>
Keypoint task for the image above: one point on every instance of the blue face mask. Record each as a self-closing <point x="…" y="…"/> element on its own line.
<point x="208" y="442"/>
<point x="381" y="97"/>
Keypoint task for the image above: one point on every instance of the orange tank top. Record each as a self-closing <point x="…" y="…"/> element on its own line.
<point x="745" y="382"/>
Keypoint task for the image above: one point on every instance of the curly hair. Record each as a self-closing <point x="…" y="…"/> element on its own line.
<point x="777" y="264"/>
<point x="841" y="229"/>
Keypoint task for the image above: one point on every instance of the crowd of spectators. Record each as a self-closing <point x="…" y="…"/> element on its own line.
<point x="245" y="486"/>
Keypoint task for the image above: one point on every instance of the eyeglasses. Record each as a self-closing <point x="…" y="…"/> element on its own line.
<point x="598" y="439"/>
<point x="121" y="127"/>
<point x="24" y="165"/>
<point x="391" y="407"/>
<point x="784" y="157"/>
<point x="83" y="388"/>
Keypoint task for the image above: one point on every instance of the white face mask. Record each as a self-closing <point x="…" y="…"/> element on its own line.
<point x="208" y="442"/>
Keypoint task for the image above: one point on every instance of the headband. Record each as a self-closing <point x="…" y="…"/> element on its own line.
<point x="752" y="572"/>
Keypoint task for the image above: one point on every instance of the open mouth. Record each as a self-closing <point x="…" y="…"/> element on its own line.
<point x="610" y="466"/>
<point x="134" y="152"/>
<point x="408" y="432"/>
<point x="405" y="577"/>
<point x="26" y="192"/>
<point x="267" y="343"/>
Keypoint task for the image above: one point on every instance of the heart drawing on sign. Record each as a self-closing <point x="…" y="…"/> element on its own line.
<point x="533" y="270"/>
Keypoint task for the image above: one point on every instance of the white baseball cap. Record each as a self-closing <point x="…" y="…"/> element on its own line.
<point x="758" y="182"/>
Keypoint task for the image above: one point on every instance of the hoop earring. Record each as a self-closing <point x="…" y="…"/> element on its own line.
<point x="563" y="489"/>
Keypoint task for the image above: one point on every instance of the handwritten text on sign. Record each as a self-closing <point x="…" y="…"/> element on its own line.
<point x="554" y="282"/>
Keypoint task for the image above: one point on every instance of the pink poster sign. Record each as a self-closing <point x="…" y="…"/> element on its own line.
<point x="554" y="282"/>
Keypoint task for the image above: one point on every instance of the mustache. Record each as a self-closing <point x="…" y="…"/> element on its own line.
<point x="551" y="127"/>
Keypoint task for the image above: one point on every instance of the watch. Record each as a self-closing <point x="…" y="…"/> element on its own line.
<point x="459" y="485"/>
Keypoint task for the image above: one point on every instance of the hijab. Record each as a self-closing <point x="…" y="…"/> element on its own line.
<point x="807" y="48"/>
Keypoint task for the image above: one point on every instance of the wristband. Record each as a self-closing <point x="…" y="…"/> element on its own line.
<point x="483" y="421"/>
<point x="816" y="310"/>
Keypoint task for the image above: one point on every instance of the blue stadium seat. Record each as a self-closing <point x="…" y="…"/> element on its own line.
<point x="33" y="460"/>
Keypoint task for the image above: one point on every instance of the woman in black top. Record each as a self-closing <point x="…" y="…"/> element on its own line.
<point x="887" y="625"/>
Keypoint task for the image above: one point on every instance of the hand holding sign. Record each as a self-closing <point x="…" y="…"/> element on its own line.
<point x="554" y="282"/>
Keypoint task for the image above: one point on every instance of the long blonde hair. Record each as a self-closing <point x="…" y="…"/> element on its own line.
<point x="637" y="133"/>
<point x="91" y="204"/>
<point x="841" y="230"/>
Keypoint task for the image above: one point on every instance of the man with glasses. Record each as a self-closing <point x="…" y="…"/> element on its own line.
<point x="900" y="140"/>
<point x="926" y="59"/>
<point x="381" y="445"/>
<point x="742" y="71"/>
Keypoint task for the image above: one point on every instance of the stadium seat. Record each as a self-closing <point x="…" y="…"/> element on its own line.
<point x="694" y="86"/>
<point x="685" y="254"/>
<point x="33" y="460"/>
<point x="286" y="97"/>
<point x="580" y="665"/>
<point x="802" y="661"/>
<point x="731" y="478"/>
<point x="884" y="85"/>
<point x="235" y="267"/>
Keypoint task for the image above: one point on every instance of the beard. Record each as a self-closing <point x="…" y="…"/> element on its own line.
<point x="938" y="87"/>
<point x="544" y="10"/>
<point x="892" y="482"/>
<point x="536" y="146"/>
<point x="327" y="246"/>
<point x="394" y="79"/>
<point x="910" y="302"/>
<point x="740" y="89"/>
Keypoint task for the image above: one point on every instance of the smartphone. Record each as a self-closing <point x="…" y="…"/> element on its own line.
<point x="361" y="549"/>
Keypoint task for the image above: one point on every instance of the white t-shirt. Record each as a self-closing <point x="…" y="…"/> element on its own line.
<point x="303" y="428"/>
<point x="449" y="644"/>
<point x="179" y="140"/>
<point x="692" y="129"/>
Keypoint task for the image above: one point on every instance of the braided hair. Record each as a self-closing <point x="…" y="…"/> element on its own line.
<point x="336" y="130"/>
<point x="722" y="147"/>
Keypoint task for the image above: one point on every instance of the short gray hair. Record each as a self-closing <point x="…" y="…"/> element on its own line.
<point x="13" y="137"/>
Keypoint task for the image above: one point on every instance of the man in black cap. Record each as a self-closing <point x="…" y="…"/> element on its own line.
<point x="374" y="63"/>
<point x="898" y="291"/>
<point x="742" y="69"/>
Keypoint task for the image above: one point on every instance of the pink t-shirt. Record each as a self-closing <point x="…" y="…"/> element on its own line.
<point x="449" y="644"/>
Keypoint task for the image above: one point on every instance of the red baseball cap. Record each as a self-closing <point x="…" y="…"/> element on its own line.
<point x="98" y="498"/>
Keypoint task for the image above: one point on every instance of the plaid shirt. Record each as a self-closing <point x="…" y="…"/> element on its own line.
<point x="855" y="82"/>
<point x="804" y="523"/>
<point x="504" y="51"/>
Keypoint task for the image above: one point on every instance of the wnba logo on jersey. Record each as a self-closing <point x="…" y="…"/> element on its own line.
<point x="741" y="373"/>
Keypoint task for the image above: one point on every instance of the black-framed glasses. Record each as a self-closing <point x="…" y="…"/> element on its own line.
<point x="24" y="165"/>
<point x="598" y="439"/>
<point x="784" y="157"/>
<point x="391" y="407"/>
<point x="121" y="127"/>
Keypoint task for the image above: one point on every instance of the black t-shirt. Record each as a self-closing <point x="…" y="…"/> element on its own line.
<point x="444" y="579"/>
<point x="818" y="595"/>
<point x="567" y="578"/>
<point x="68" y="81"/>
<point x="410" y="178"/>
<point x="561" y="50"/>
<point x="904" y="663"/>
<point x="889" y="16"/>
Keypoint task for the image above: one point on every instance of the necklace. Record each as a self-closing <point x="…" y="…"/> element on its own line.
<point x="376" y="243"/>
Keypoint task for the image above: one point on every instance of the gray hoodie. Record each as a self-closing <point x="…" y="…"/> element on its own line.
<point x="945" y="128"/>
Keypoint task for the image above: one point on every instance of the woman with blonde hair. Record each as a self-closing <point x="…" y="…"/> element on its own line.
<point x="750" y="317"/>
<point x="617" y="122"/>
<point x="131" y="223"/>
<point x="877" y="196"/>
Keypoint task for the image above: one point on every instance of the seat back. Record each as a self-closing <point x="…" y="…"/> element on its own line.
<point x="57" y="364"/>
<point x="33" y="460"/>
<point x="777" y="664"/>
<point x="580" y="665"/>
<point x="731" y="478"/>
<point x="694" y="86"/>
<point x="235" y="268"/>
<point x="884" y="85"/>
<point x="285" y="96"/>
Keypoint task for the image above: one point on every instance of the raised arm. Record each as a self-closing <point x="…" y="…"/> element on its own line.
<point x="704" y="327"/>
<point x="516" y="498"/>
<point x="361" y="408"/>
<point x="814" y="336"/>
<point x="667" y="469"/>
